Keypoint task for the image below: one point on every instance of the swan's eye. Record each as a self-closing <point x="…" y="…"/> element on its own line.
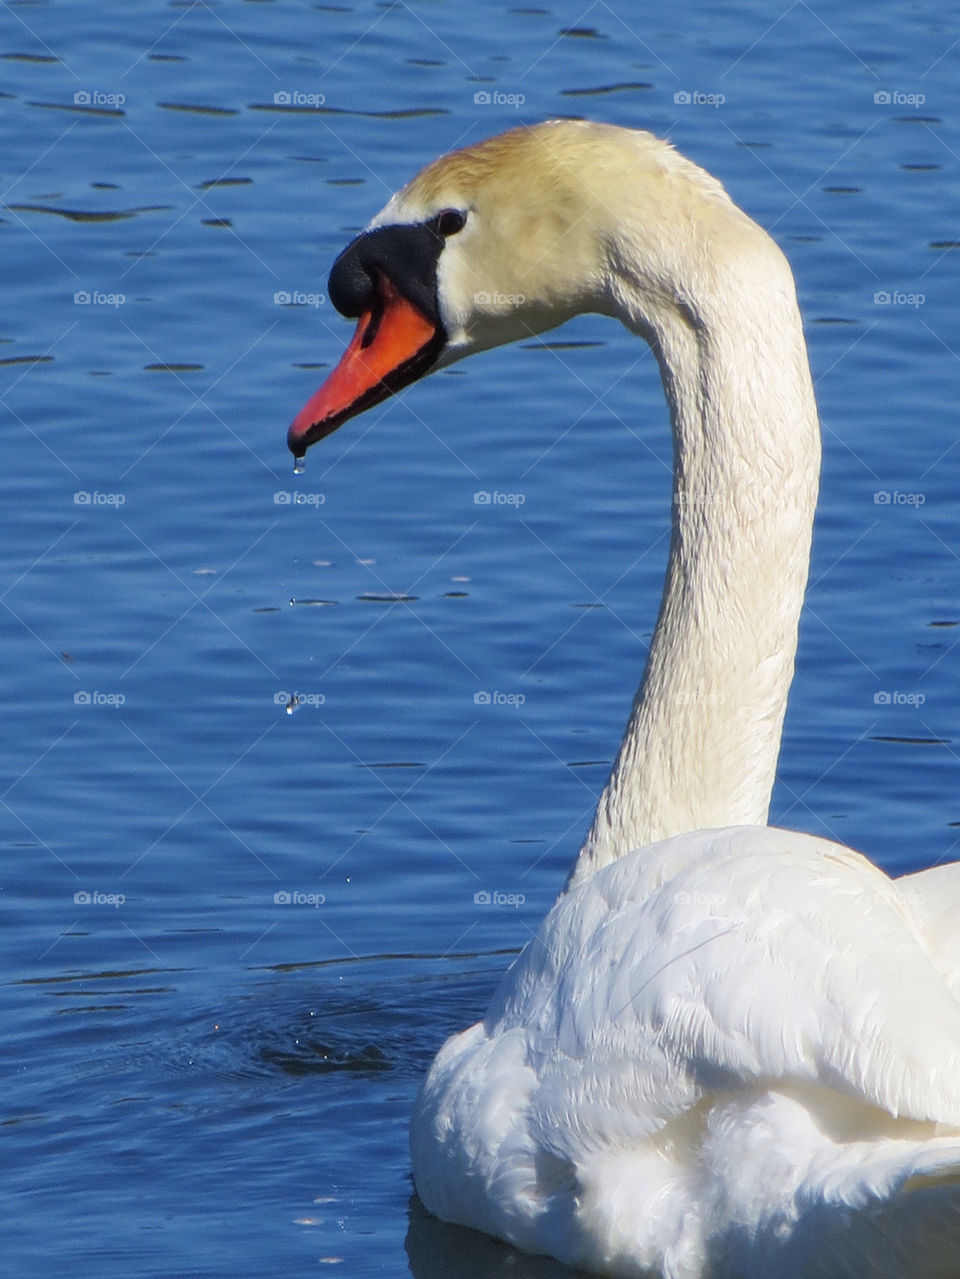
<point x="448" y="222"/>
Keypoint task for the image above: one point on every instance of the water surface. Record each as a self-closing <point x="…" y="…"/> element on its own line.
<point x="234" y="937"/>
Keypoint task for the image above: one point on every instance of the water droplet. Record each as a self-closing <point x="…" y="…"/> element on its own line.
<point x="299" y="465"/>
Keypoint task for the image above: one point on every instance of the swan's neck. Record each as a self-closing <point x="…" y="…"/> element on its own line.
<point x="700" y="749"/>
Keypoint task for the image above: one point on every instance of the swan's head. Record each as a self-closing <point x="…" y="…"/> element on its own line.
<point x="500" y="241"/>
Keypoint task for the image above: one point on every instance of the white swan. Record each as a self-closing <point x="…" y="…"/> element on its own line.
<point x="732" y="1052"/>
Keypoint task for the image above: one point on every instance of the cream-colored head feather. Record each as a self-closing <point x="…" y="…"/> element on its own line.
<point x="548" y="209"/>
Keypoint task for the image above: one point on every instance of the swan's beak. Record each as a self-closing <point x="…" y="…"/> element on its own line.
<point x="394" y="344"/>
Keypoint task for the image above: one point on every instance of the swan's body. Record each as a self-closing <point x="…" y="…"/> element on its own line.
<point x="732" y="1052"/>
<point x="728" y="1053"/>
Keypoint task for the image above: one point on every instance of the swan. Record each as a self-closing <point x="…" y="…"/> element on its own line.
<point x="731" y="1050"/>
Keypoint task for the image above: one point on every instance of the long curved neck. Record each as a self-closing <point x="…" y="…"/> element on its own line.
<point x="701" y="745"/>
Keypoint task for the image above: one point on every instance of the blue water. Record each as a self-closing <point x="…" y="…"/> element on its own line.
<point x="203" y="1079"/>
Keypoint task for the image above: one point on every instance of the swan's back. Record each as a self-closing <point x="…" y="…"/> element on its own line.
<point x="711" y="1044"/>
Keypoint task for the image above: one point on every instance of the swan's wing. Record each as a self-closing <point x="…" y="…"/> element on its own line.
<point x="935" y="894"/>
<point x="730" y="961"/>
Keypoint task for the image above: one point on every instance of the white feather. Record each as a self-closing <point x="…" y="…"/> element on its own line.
<point x="709" y="1040"/>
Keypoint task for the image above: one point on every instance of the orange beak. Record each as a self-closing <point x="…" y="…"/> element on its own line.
<point x="394" y="344"/>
